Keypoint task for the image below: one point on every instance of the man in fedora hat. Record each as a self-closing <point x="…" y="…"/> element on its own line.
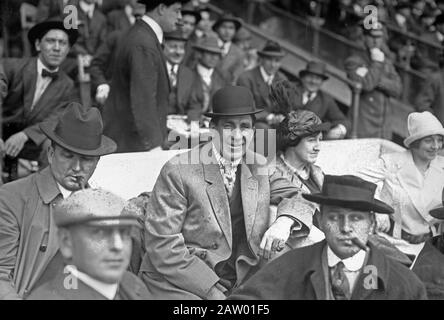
<point x="29" y="252"/>
<point x="36" y="90"/>
<point x="208" y="78"/>
<point x="232" y="56"/>
<point x="344" y="266"/>
<point x="259" y="79"/>
<point x="94" y="236"/>
<point x="380" y="82"/>
<point x="136" y="109"/>
<point x="208" y="223"/>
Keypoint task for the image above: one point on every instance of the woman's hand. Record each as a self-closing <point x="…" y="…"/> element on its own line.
<point x="382" y="222"/>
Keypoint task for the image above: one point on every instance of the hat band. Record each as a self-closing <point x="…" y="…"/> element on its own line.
<point x="79" y="137"/>
<point x="347" y="193"/>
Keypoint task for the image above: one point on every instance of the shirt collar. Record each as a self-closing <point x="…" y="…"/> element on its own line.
<point x="224" y="45"/>
<point x="65" y="192"/>
<point x="203" y="71"/>
<point x="354" y="263"/>
<point x="107" y="290"/>
<point x="170" y="65"/>
<point x="155" y="26"/>
<point x="41" y="66"/>
<point x="88" y="8"/>
<point x="222" y="161"/>
<point x="267" y="77"/>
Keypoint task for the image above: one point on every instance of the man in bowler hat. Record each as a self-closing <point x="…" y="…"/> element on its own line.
<point x="344" y="266"/>
<point x="94" y="236"/>
<point x="208" y="223"/>
<point x="29" y="252"/>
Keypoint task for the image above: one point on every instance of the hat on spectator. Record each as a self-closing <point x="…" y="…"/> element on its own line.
<point x="190" y="10"/>
<point x="79" y="130"/>
<point x="315" y="67"/>
<point x="175" y="35"/>
<point x="230" y="18"/>
<point x="208" y="43"/>
<point x="242" y="35"/>
<point x="349" y="192"/>
<point x="271" y="49"/>
<point x="96" y="207"/>
<point x="38" y="31"/>
<point x="421" y="125"/>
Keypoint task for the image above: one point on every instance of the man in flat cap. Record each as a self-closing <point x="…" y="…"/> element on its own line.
<point x="136" y="110"/>
<point x="344" y="266"/>
<point x="29" y="252"/>
<point x="94" y="236"/>
<point x="208" y="222"/>
<point x="36" y="90"/>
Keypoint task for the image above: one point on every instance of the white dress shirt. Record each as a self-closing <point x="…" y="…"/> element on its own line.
<point x="172" y="68"/>
<point x="65" y="192"/>
<point x="87" y="8"/>
<point x="42" y="82"/>
<point x="205" y="74"/>
<point x="155" y="26"/>
<point x="107" y="290"/>
<point x="267" y="77"/>
<point x="225" y="46"/>
<point x="308" y="96"/>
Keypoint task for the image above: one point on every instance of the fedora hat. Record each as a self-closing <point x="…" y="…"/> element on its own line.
<point x="79" y="130"/>
<point x="420" y="125"/>
<point x="438" y="213"/>
<point x="230" y="18"/>
<point x="349" y="192"/>
<point x="315" y="67"/>
<point x="208" y="43"/>
<point x="40" y="29"/>
<point x="175" y="35"/>
<point x="271" y="49"/>
<point x="233" y="101"/>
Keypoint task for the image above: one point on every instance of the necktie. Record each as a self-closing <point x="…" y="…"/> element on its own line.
<point x="339" y="283"/>
<point x="52" y="75"/>
<point x="173" y="76"/>
<point x="229" y="177"/>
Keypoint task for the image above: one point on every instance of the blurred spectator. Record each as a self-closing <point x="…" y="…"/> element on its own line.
<point x="232" y="56"/>
<point x="379" y="80"/>
<point x="259" y="79"/>
<point x="190" y="19"/>
<point x="123" y="19"/>
<point x="243" y="40"/>
<point x="48" y="9"/>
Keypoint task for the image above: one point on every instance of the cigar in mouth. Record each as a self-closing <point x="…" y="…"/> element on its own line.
<point x="360" y="244"/>
<point x="81" y="182"/>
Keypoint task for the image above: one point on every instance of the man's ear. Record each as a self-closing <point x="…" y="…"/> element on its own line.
<point x="37" y="45"/>
<point x="50" y="153"/>
<point x="160" y="9"/>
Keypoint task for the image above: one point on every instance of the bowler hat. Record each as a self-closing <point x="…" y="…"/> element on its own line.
<point x="208" y="43"/>
<point x="79" y="130"/>
<point x="40" y="29"/>
<point x="95" y="207"/>
<point x="175" y="35"/>
<point x="421" y="125"/>
<point x="233" y="101"/>
<point x="230" y="18"/>
<point x="438" y="213"/>
<point x="349" y="192"/>
<point x="271" y="49"/>
<point x="315" y="67"/>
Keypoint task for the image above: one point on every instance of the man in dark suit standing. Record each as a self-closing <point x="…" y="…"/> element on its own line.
<point x="36" y="90"/>
<point x="135" y="112"/>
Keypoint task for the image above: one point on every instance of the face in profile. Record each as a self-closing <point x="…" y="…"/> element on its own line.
<point x="171" y="16"/>
<point x="427" y="148"/>
<point x="53" y="48"/>
<point x="307" y="150"/>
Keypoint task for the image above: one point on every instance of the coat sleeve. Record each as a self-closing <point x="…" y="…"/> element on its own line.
<point x="371" y="78"/>
<point x="101" y="61"/>
<point x="9" y="242"/>
<point x="165" y="243"/>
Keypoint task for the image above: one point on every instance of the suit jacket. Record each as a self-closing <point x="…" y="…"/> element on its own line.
<point x="402" y="186"/>
<point x="253" y="80"/>
<point x="299" y="275"/>
<point x="136" y="109"/>
<point x="188" y="225"/>
<point x="185" y="82"/>
<point x="21" y="77"/>
<point x="233" y="63"/>
<point x="27" y="232"/>
<point x="219" y="79"/>
<point x="380" y="83"/>
<point x="118" y="20"/>
<point x="431" y="95"/>
<point x="130" y="288"/>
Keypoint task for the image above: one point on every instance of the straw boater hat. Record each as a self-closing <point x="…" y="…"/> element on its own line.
<point x="79" y="130"/>
<point x="315" y="67"/>
<point x="271" y="49"/>
<point x="420" y="125"/>
<point x="40" y="29"/>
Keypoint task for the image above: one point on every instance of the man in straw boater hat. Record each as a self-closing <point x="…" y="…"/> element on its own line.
<point x="94" y="236"/>
<point x="208" y="223"/>
<point x="29" y="252"/>
<point x="37" y="90"/>
<point x="344" y="266"/>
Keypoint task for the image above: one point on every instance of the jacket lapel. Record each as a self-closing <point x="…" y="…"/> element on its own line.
<point x="317" y="276"/>
<point x="29" y="82"/>
<point x="46" y="100"/>
<point x="249" y="191"/>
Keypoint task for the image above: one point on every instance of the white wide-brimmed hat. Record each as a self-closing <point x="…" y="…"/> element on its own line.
<point x="422" y="124"/>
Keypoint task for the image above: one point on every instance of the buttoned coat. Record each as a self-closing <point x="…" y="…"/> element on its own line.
<point x="188" y="225"/>
<point x="299" y="275"/>
<point x="28" y="239"/>
<point x="135" y="111"/>
<point x="380" y="83"/>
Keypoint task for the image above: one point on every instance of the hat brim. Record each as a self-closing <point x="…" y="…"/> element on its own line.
<point x="107" y="145"/>
<point x="375" y="205"/>
<point x="304" y="72"/>
<point x="41" y="28"/>
<point x="271" y="54"/>
<point x="207" y="49"/>
<point x="212" y="114"/>
<point x="236" y="22"/>
<point x="408" y="141"/>
<point x="104" y="222"/>
<point x="437" y="213"/>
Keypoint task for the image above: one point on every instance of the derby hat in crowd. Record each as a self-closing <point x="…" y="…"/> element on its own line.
<point x="40" y="29"/>
<point x="315" y="67"/>
<point x="228" y="18"/>
<point x="79" y="130"/>
<point x="208" y="43"/>
<point x="271" y="49"/>
<point x="349" y="192"/>
<point x="175" y="35"/>
<point x="233" y="101"/>
<point x="421" y="125"/>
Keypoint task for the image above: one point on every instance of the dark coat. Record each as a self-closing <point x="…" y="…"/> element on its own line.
<point x="118" y="20"/>
<point x="21" y="77"/>
<point x="431" y="95"/>
<point x="136" y="109"/>
<point x="253" y="80"/>
<point x="181" y="100"/>
<point x="130" y="288"/>
<point x="298" y="275"/>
